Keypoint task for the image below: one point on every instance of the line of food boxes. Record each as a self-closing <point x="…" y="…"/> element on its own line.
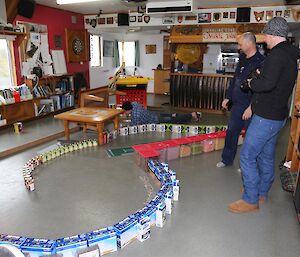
<point x="174" y="128"/>
<point x="107" y="240"/>
<point x="168" y="150"/>
<point x="30" y="166"/>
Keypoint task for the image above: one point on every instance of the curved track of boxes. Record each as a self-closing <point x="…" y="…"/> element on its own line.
<point x="134" y="226"/>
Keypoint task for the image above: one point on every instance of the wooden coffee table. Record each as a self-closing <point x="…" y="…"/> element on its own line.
<point x="90" y="116"/>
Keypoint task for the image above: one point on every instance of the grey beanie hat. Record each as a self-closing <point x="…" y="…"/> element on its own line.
<point x="277" y="26"/>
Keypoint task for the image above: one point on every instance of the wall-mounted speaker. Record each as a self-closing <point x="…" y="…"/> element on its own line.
<point x="123" y="19"/>
<point x="243" y="14"/>
<point x="26" y="8"/>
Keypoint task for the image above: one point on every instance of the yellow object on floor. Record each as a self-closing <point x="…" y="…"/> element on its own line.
<point x="132" y="80"/>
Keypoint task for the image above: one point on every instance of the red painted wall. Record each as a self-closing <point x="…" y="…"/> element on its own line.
<point x="57" y="21"/>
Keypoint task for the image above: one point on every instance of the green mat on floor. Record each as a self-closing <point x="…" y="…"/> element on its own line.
<point x="119" y="151"/>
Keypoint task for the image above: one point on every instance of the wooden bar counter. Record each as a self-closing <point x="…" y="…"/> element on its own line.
<point x="203" y="92"/>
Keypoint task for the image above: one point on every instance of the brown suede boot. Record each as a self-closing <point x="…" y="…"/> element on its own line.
<point x="242" y="206"/>
<point x="262" y="199"/>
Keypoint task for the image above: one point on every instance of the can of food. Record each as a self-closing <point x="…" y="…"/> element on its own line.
<point x="18" y="127"/>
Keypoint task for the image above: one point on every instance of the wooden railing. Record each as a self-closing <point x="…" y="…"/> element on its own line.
<point x="198" y="91"/>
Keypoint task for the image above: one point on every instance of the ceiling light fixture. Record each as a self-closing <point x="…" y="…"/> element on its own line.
<point x="74" y="1"/>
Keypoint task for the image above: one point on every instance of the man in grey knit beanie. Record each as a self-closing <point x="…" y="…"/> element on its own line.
<point x="271" y="92"/>
<point x="277" y="27"/>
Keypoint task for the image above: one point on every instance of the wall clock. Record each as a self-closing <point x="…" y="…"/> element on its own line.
<point x="76" y="41"/>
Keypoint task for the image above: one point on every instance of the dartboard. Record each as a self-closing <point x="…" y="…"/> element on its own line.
<point x="77" y="46"/>
<point x="76" y="41"/>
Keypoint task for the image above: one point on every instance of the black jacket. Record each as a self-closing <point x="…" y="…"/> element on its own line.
<point x="274" y="85"/>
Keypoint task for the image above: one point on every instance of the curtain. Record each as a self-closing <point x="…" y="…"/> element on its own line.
<point x="116" y="54"/>
<point x="137" y="53"/>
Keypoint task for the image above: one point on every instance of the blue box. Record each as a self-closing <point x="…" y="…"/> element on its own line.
<point x="16" y="241"/>
<point x="151" y="213"/>
<point x="105" y="239"/>
<point x="172" y="175"/>
<point x="126" y="231"/>
<point x="68" y="246"/>
<point x="38" y="247"/>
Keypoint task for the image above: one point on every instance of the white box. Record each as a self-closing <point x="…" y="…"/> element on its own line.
<point x="160" y="128"/>
<point x="151" y="127"/>
<point x="169" y="202"/>
<point x="38" y="247"/>
<point x="142" y="128"/>
<point x="123" y="131"/>
<point x="69" y="246"/>
<point x="176" y="190"/>
<point x="143" y="228"/>
<point x="16" y="241"/>
<point x="105" y="239"/>
<point x="151" y="213"/>
<point x="161" y="215"/>
<point x="176" y="129"/>
<point x="133" y="130"/>
<point x="193" y="130"/>
<point x="210" y="129"/>
<point x="126" y="231"/>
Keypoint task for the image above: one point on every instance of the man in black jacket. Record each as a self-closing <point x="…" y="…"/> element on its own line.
<point x="272" y="89"/>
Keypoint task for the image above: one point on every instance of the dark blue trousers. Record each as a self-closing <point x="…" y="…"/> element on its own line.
<point x="235" y="126"/>
<point x="179" y="118"/>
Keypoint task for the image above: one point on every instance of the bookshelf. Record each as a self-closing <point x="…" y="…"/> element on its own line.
<point x="293" y="151"/>
<point x="52" y="94"/>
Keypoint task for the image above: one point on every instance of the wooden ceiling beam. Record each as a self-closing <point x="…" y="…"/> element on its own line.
<point x="11" y="9"/>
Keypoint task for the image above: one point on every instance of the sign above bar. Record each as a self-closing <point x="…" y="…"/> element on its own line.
<point x="219" y="35"/>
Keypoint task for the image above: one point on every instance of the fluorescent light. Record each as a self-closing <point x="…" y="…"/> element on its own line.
<point x="74" y="1"/>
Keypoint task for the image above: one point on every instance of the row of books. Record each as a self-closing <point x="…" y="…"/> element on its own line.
<point x="42" y="91"/>
<point x="45" y="90"/>
<point x="16" y="94"/>
<point x="55" y="103"/>
<point x="6" y="96"/>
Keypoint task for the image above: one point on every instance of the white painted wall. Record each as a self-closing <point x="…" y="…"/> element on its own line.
<point x="148" y="62"/>
<point x="99" y="76"/>
<point x="3" y="16"/>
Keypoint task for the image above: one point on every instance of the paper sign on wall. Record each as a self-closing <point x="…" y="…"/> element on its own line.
<point x="59" y="62"/>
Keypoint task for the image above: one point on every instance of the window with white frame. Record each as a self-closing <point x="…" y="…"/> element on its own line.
<point x="96" y="51"/>
<point x="127" y="53"/>
<point x="7" y="73"/>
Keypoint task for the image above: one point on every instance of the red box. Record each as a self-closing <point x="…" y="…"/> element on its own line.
<point x="133" y="95"/>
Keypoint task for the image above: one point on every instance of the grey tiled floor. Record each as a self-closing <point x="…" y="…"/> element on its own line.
<point x="86" y="190"/>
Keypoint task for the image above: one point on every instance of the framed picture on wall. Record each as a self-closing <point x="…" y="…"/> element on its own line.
<point x="204" y="17"/>
<point x="150" y="49"/>
<point x="58" y="41"/>
<point x="101" y="20"/>
<point x="110" y="20"/>
<point x="132" y="18"/>
<point x="108" y="48"/>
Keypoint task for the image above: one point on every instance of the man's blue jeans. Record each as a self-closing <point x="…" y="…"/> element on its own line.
<point x="257" y="157"/>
